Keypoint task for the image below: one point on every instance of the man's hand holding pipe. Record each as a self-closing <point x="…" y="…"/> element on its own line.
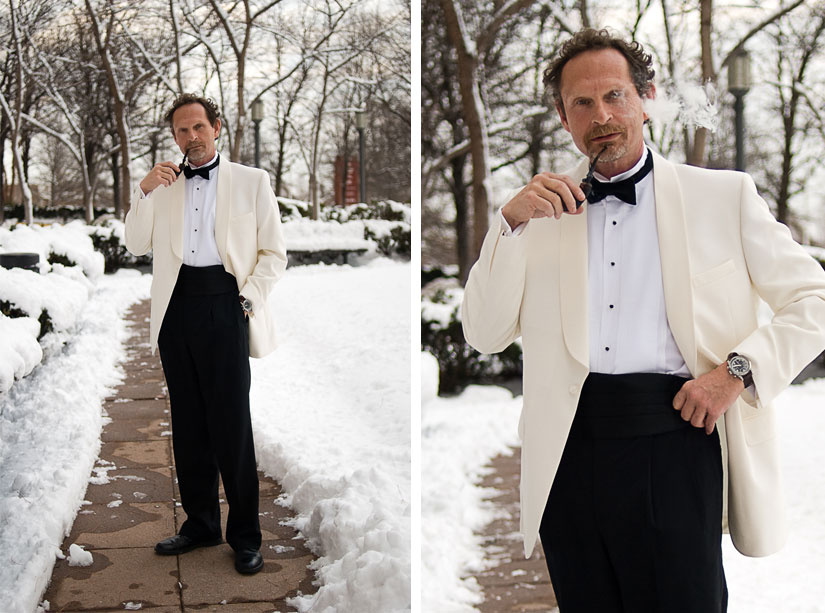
<point x="163" y="173"/>
<point x="546" y="195"/>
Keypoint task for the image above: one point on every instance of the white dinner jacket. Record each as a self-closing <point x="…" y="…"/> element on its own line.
<point x="248" y="234"/>
<point x="721" y="250"/>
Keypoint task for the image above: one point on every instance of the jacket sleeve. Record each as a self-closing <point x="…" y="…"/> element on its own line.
<point x="139" y="223"/>
<point x="272" y="260"/>
<point x="792" y="283"/>
<point x="492" y="296"/>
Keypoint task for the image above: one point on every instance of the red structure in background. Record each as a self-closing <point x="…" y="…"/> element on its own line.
<point x="348" y="195"/>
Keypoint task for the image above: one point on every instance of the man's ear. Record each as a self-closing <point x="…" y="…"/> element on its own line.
<point x="562" y="115"/>
<point x="217" y="128"/>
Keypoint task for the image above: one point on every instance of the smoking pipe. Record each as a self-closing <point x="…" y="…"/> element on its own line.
<point x="585" y="185"/>
<point x="182" y="162"/>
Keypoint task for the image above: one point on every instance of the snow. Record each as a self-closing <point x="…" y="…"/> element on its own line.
<point x="60" y="290"/>
<point x="70" y="240"/>
<point x="79" y="556"/>
<point x="60" y="293"/>
<point x="20" y="352"/>
<point x="462" y="434"/>
<point x="331" y="417"/>
<point x="307" y="235"/>
<point x="330" y="412"/>
<point x="441" y="302"/>
<point x="459" y="436"/>
<point x="50" y="424"/>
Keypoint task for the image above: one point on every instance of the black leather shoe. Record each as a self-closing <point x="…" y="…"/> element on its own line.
<point x="181" y="544"/>
<point x="248" y="561"/>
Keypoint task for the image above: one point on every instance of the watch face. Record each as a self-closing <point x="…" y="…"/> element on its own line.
<point x="739" y="365"/>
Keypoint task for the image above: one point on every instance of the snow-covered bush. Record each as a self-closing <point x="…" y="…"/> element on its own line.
<point x="293" y="209"/>
<point x="108" y="238"/>
<point x="382" y="227"/>
<point x="389" y="210"/>
<point x="39" y="309"/>
<point x="442" y="335"/>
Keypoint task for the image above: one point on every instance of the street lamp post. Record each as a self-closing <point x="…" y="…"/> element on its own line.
<point x="257" y="117"/>
<point x="739" y="83"/>
<point x="361" y="125"/>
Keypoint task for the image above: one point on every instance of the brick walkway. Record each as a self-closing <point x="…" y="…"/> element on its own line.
<point x="134" y="507"/>
<point x="514" y="584"/>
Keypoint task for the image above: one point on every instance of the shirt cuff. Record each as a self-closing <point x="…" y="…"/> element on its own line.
<point x="506" y="230"/>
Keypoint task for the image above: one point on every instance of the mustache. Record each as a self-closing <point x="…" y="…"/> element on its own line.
<point x="604" y="130"/>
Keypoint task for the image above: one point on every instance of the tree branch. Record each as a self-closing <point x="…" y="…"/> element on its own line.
<point x="757" y="28"/>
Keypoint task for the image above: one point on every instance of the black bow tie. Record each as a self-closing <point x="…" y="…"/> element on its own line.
<point x="203" y="171"/>
<point x="624" y="190"/>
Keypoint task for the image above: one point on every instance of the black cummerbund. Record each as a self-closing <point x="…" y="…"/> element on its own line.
<point x="205" y="281"/>
<point x="625" y="406"/>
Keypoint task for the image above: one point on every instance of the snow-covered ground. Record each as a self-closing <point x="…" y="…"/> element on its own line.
<point x="50" y="423"/>
<point x="331" y="415"/>
<point x="460" y="435"/>
<point x="331" y="418"/>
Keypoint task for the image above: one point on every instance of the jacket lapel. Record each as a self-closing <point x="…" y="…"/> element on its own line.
<point x="572" y="261"/>
<point x="177" y="198"/>
<point x="223" y="207"/>
<point x="673" y="250"/>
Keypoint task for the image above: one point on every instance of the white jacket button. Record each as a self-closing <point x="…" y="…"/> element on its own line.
<point x="574" y="389"/>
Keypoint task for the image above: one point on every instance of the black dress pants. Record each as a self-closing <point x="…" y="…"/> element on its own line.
<point x="633" y="523"/>
<point x="204" y="349"/>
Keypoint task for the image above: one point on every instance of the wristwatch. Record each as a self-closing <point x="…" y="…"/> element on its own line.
<point x="740" y="367"/>
<point x="246" y="305"/>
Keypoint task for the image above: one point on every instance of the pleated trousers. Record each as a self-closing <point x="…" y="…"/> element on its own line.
<point x="633" y="522"/>
<point x="204" y="350"/>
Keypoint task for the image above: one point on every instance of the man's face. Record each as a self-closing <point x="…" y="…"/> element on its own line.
<point x="193" y="133"/>
<point x="602" y="107"/>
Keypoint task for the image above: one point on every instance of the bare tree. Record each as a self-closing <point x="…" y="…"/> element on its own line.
<point x="797" y="44"/>
<point x="22" y="24"/>
<point x="468" y="52"/>
<point x="696" y="148"/>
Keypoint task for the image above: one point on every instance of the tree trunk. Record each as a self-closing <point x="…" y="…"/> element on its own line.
<point x="474" y="116"/>
<point x="14" y="122"/>
<point x="2" y="177"/>
<point x="279" y="166"/>
<point x="584" y="13"/>
<point x="240" y="124"/>
<point x="115" y="181"/>
<point x="462" y="218"/>
<point x="119" y="106"/>
<point x="696" y="155"/>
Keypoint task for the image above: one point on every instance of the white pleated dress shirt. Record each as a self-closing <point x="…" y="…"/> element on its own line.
<point x="199" y="245"/>
<point x="628" y="327"/>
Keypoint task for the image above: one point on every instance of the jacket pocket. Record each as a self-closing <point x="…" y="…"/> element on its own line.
<point x="714" y="274"/>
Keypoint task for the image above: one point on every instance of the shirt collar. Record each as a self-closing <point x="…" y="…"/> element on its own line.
<point x="214" y="157"/>
<point x="626" y="173"/>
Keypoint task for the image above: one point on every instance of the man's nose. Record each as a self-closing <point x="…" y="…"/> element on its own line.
<point x="601" y="113"/>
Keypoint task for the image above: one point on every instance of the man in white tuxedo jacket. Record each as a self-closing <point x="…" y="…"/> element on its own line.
<point x="215" y="232"/>
<point x="647" y="417"/>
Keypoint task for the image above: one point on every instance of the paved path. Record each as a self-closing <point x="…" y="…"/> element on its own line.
<point x="514" y="584"/>
<point x="132" y="506"/>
